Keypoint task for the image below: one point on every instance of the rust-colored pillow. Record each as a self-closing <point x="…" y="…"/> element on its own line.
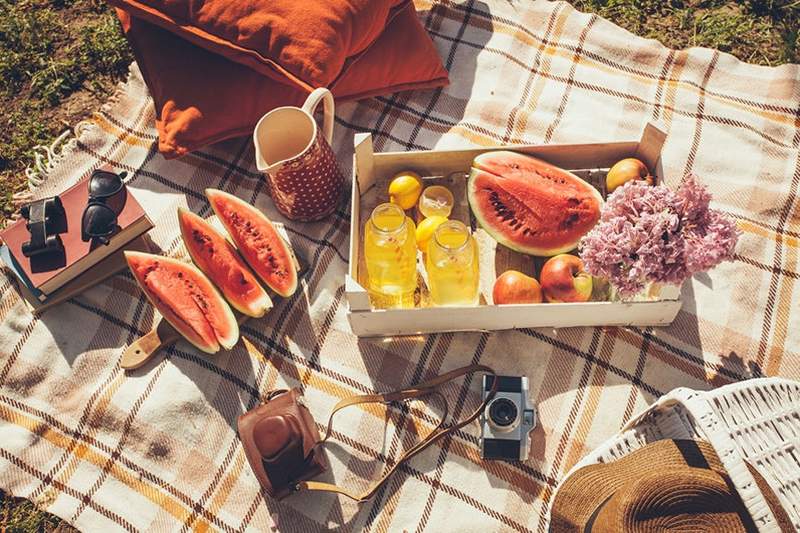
<point x="305" y="43"/>
<point x="202" y="98"/>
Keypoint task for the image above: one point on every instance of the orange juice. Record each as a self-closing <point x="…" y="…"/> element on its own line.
<point x="390" y="251"/>
<point x="452" y="266"/>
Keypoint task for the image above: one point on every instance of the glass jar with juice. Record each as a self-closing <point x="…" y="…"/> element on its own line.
<point x="452" y="266"/>
<point x="390" y="251"/>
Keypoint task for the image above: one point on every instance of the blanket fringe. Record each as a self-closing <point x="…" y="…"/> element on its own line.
<point x="47" y="157"/>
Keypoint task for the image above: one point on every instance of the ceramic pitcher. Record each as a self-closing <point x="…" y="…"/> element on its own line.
<point x="300" y="168"/>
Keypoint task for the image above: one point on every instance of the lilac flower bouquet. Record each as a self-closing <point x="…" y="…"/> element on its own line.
<point x="650" y="234"/>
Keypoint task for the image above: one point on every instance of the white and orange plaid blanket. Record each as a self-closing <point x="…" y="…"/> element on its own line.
<point x="156" y="449"/>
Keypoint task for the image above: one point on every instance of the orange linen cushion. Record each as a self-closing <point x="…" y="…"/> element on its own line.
<point x="304" y="43"/>
<point x="202" y="98"/>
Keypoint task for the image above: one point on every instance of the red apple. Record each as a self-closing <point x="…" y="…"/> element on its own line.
<point x="564" y="279"/>
<point x="514" y="287"/>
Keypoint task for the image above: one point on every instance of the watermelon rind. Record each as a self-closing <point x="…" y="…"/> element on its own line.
<point x="283" y="280"/>
<point x="259" y="302"/>
<point x="478" y="169"/>
<point x="138" y="259"/>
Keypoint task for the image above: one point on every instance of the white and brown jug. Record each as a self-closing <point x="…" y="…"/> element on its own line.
<point x="301" y="170"/>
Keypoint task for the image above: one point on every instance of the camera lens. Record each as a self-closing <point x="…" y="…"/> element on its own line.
<point x="503" y="412"/>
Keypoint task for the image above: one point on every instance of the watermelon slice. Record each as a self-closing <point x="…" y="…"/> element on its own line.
<point x="218" y="260"/>
<point x="529" y="205"/>
<point x="258" y="241"/>
<point x="186" y="299"/>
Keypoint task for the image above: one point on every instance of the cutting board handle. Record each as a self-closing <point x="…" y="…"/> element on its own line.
<point x="142" y="349"/>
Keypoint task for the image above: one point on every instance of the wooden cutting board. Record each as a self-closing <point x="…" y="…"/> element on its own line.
<point x="145" y="347"/>
<point x="141" y="350"/>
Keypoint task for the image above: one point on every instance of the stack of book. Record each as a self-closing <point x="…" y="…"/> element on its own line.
<point x="46" y="280"/>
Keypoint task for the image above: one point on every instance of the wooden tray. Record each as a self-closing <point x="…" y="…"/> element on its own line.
<point x="371" y="175"/>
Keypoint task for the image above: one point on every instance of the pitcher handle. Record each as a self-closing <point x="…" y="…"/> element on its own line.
<point x="313" y="100"/>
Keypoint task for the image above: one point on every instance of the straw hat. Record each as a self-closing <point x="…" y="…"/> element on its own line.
<point x="663" y="486"/>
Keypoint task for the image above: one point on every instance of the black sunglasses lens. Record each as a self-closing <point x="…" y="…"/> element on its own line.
<point x="98" y="221"/>
<point x="103" y="184"/>
<point x="117" y="201"/>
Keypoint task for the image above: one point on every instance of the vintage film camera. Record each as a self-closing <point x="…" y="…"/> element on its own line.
<point x="507" y="420"/>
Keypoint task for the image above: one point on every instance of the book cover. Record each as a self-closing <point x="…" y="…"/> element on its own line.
<point x="109" y="266"/>
<point x="13" y="266"/>
<point x="48" y="273"/>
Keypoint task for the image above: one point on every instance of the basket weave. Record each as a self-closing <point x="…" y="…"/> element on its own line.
<point x="756" y="420"/>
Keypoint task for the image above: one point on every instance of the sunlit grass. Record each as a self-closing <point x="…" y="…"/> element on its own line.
<point x="758" y="31"/>
<point x="21" y="516"/>
<point x="50" y="53"/>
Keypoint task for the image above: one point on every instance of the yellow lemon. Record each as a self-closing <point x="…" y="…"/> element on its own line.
<point x="425" y="230"/>
<point x="405" y="188"/>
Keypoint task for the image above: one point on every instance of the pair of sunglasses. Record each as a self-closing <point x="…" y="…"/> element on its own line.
<point x="107" y="195"/>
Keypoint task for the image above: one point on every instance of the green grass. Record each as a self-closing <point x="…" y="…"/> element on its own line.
<point x="758" y="31"/>
<point x="60" y="59"/>
<point x="21" y="516"/>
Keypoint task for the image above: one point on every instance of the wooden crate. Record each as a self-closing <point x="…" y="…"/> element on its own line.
<point x="371" y="175"/>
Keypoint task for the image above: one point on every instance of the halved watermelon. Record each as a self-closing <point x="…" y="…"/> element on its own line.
<point x="530" y="205"/>
<point x="186" y="299"/>
<point x="258" y="241"/>
<point x="218" y="260"/>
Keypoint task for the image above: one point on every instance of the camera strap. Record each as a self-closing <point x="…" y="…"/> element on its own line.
<point x="426" y="388"/>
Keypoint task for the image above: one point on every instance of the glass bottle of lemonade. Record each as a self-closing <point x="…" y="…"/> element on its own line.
<point x="390" y="251"/>
<point x="452" y="265"/>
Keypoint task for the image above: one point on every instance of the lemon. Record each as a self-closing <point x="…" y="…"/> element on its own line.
<point x="435" y="200"/>
<point x="405" y="188"/>
<point x="425" y="230"/>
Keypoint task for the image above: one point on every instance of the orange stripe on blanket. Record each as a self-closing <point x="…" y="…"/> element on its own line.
<point x="225" y="489"/>
<point x="112" y="129"/>
<point x="576" y="447"/>
<point x="85" y="453"/>
<point x="65" y="472"/>
<point x="782" y="314"/>
<point x="755" y="229"/>
<point x="548" y="51"/>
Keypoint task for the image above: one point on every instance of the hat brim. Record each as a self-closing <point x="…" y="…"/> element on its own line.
<point x="583" y="495"/>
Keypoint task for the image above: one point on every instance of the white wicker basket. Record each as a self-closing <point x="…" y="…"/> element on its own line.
<point x="756" y="420"/>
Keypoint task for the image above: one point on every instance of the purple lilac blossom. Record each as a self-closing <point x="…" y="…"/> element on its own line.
<point x="654" y="234"/>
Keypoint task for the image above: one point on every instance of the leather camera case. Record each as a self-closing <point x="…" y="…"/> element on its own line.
<point x="279" y="438"/>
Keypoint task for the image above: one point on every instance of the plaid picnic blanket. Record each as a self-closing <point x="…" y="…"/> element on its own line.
<point x="156" y="449"/>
